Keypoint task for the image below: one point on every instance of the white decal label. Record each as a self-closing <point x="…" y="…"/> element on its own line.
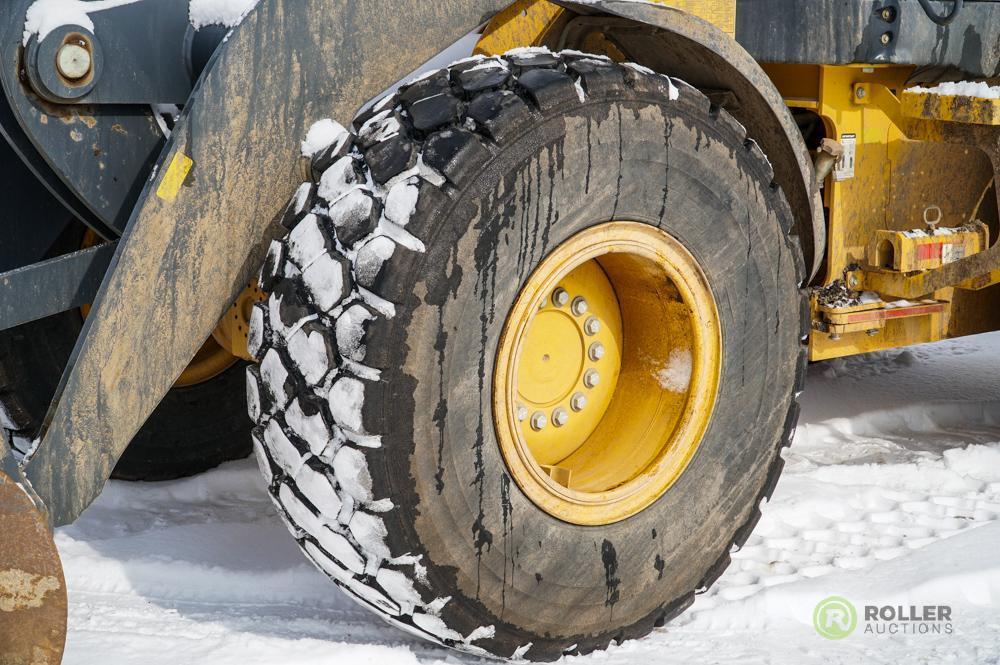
<point x="844" y="169"/>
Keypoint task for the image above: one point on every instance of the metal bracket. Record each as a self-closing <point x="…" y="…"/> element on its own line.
<point x="53" y="286"/>
<point x="137" y="53"/>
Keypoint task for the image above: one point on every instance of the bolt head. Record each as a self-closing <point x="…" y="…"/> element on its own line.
<point x="560" y="298"/>
<point x="522" y="413"/>
<point x="560" y="417"/>
<point x="861" y="93"/>
<point x="886" y="38"/>
<point x="592" y="326"/>
<point x="591" y="378"/>
<point x="578" y="402"/>
<point x="580" y="306"/>
<point x="73" y="61"/>
<point x="596" y="351"/>
<point x="538" y="421"/>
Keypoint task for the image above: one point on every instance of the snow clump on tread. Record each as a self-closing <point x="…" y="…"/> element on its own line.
<point x="308" y="393"/>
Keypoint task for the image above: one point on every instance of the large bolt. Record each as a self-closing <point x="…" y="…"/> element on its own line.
<point x="592" y="326"/>
<point x="560" y="297"/>
<point x="560" y="417"/>
<point x="580" y="306"/>
<point x="578" y="402"/>
<point x="596" y="351"/>
<point x="522" y="413"/>
<point x="73" y="61"/>
<point x="538" y="421"/>
<point x="591" y="378"/>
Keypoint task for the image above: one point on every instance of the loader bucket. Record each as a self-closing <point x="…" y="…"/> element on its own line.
<point x="32" y="587"/>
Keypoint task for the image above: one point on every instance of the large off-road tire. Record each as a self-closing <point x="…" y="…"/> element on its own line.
<point x="192" y="430"/>
<point x="373" y="397"/>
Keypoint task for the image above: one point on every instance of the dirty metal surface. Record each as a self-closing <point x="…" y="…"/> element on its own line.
<point x="182" y="262"/>
<point x="32" y="586"/>
<point x="101" y="153"/>
<point x="840" y="32"/>
<point x="49" y="287"/>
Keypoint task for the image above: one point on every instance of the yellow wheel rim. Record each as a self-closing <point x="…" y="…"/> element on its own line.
<point x="607" y="373"/>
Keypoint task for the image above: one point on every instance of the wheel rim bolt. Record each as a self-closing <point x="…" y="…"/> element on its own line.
<point x="522" y="413"/>
<point x="538" y="421"/>
<point x="560" y="298"/>
<point x="578" y="402"/>
<point x="560" y="417"/>
<point x="592" y="326"/>
<point x="591" y="378"/>
<point x="596" y="351"/>
<point x="580" y="306"/>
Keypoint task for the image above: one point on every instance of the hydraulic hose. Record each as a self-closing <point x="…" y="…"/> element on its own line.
<point x="937" y="18"/>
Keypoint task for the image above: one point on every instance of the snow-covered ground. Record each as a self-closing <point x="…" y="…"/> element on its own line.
<point x="890" y="497"/>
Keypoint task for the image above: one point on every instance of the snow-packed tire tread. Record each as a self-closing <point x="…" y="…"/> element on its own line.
<point x="431" y="136"/>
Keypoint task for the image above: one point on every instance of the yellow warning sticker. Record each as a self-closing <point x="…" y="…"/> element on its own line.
<point x="178" y="170"/>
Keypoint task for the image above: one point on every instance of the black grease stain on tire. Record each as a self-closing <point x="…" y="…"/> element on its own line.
<point x="610" y="559"/>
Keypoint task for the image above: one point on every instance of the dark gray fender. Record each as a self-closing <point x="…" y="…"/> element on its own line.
<point x="184" y="258"/>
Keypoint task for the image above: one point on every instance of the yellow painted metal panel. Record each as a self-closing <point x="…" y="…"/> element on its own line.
<point x="949" y="108"/>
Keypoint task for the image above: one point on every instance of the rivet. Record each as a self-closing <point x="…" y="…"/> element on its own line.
<point x="560" y="297"/>
<point x="538" y="421"/>
<point x="522" y="413"/>
<point x="591" y="378"/>
<point x="596" y="351"/>
<point x="578" y="402"/>
<point x="560" y="417"/>
<point x="580" y="306"/>
<point x="592" y="326"/>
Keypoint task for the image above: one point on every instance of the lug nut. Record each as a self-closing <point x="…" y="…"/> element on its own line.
<point x="522" y="413"/>
<point x="73" y="61"/>
<point x="560" y="417"/>
<point x="596" y="351"/>
<point x="592" y="326"/>
<point x="591" y="378"/>
<point x="560" y="297"/>
<point x="538" y="421"/>
<point x="580" y="306"/>
<point x="578" y="402"/>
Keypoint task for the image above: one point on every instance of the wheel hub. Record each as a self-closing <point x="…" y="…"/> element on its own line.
<point x="558" y="364"/>
<point x="607" y="373"/>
